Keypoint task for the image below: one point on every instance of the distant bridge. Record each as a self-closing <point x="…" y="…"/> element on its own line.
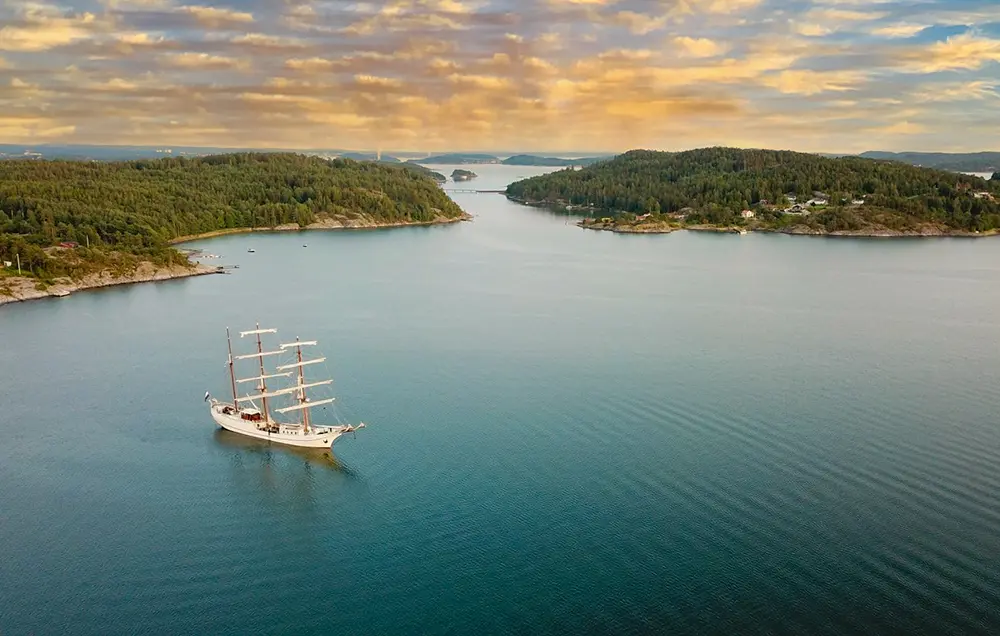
<point x="471" y="191"/>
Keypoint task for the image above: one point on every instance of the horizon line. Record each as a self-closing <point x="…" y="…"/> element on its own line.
<point x="565" y="154"/>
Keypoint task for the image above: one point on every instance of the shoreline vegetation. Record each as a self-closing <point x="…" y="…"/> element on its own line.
<point x="736" y="190"/>
<point x="74" y="225"/>
<point x="628" y="227"/>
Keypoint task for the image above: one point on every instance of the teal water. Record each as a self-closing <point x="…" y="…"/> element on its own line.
<point x="569" y="432"/>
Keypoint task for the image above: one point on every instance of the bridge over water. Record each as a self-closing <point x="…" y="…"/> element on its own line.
<point x="472" y="191"/>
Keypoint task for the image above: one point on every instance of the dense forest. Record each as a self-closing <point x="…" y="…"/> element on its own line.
<point x="713" y="185"/>
<point x="134" y="208"/>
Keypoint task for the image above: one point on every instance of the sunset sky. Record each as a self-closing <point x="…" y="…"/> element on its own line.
<point x="536" y="75"/>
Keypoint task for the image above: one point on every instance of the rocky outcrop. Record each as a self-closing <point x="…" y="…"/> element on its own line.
<point x="17" y="288"/>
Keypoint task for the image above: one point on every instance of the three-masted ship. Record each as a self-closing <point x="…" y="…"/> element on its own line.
<point x="245" y="416"/>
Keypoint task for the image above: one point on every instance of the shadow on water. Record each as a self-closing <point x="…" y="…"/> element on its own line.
<point x="268" y="452"/>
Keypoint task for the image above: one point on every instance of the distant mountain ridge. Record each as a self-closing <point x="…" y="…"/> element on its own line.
<point x="369" y="156"/>
<point x="536" y="160"/>
<point x="958" y="162"/>
<point x="453" y="158"/>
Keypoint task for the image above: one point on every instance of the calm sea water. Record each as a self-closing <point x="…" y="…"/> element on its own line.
<point x="569" y="432"/>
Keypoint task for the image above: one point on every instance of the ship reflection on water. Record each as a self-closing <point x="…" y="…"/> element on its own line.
<point x="270" y="453"/>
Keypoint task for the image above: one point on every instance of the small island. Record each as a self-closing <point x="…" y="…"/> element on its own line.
<point x="736" y="190"/>
<point x="71" y="225"/>
<point x="463" y="175"/>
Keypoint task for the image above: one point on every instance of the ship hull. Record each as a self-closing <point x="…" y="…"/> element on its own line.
<point x="288" y="434"/>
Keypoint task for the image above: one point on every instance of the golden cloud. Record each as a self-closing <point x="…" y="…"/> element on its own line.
<point x="441" y="73"/>
<point x="215" y="17"/>
<point x="966" y="51"/>
<point x="699" y="47"/>
<point x="806" y="82"/>
<point x="898" y="30"/>
<point x="203" y="61"/>
<point x="40" y="30"/>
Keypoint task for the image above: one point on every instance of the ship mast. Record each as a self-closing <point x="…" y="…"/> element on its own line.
<point x="302" y="388"/>
<point x="263" y="386"/>
<point x="232" y="373"/>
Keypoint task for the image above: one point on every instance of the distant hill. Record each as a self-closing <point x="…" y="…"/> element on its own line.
<point x="535" y="160"/>
<point x="457" y="158"/>
<point x="364" y="156"/>
<point x="959" y="162"/>
<point x="393" y="161"/>
<point x="101" y="153"/>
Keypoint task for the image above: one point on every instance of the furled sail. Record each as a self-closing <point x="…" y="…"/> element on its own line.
<point x="299" y="364"/>
<point x="286" y="391"/>
<point x="256" y="331"/>
<point x="297" y="344"/>
<point x="307" y="405"/>
<point x="265" y="377"/>
<point x="258" y="355"/>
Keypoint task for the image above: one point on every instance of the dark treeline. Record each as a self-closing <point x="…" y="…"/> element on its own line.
<point x="717" y="183"/>
<point x="137" y="207"/>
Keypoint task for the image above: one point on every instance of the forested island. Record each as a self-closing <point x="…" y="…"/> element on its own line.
<point x="767" y="190"/>
<point x="457" y="158"/>
<point x="463" y="175"/>
<point x="369" y="156"/>
<point x="535" y="160"/>
<point x="73" y="221"/>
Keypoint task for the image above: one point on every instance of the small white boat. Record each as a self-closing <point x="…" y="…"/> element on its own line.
<point x="244" y="416"/>
<point x="250" y="250"/>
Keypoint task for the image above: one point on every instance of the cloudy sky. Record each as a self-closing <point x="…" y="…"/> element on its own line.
<point x="540" y="75"/>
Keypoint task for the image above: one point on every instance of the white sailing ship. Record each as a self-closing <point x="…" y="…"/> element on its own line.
<point x="244" y="416"/>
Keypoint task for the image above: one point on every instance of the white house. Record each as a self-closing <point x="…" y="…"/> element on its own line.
<point x="747" y="214"/>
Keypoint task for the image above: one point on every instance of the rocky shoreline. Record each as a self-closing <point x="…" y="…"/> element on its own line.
<point x="23" y="288"/>
<point x="362" y="223"/>
<point x="798" y="230"/>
